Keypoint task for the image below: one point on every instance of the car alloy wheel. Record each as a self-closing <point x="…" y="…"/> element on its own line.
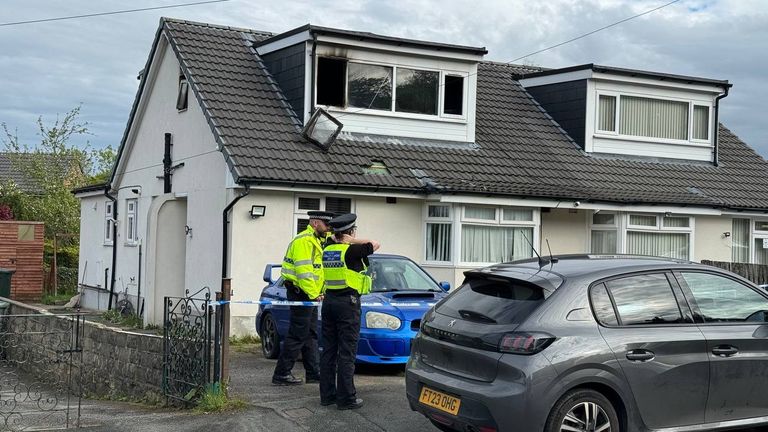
<point x="270" y="340"/>
<point x="586" y="417"/>
<point x="583" y="410"/>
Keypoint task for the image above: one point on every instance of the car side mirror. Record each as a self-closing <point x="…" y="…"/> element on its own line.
<point x="268" y="272"/>
<point x="445" y="286"/>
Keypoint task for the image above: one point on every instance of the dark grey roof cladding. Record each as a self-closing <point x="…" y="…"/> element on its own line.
<point x="10" y="170"/>
<point x="90" y="188"/>
<point x="365" y="36"/>
<point x="631" y="73"/>
<point x="519" y="151"/>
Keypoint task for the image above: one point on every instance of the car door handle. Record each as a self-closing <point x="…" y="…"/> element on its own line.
<point x="725" y="350"/>
<point x="640" y="355"/>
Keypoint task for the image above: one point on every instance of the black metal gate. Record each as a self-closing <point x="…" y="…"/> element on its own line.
<point x="41" y="361"/>
<point x="187" y="345"/>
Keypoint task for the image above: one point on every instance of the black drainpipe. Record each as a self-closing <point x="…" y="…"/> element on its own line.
<point x="139" y="303"/>
<point x="225" y="233"/>
<point x="114" y="245"/>
<point x="167" y="164"/>
<point x="717" y="123"/>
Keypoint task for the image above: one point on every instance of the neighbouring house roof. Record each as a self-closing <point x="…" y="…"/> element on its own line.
<point x="519" y="150"/>
<point x="9" y="170"/>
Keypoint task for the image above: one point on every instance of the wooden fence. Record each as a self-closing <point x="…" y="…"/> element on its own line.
<point x="757" y="273"/>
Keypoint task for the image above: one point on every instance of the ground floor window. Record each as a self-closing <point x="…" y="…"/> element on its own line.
<point x="749" y="241"/>
<point x="642" y="234"/>
<point x="306" y="203"/>
<point x="477" y="234"/>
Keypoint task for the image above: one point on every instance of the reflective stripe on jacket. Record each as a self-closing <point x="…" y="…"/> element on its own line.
<point x="302" y="264"/>
<point x="338" y="275"/>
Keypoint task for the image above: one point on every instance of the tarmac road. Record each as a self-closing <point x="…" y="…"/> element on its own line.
<point x="274" y="408"/>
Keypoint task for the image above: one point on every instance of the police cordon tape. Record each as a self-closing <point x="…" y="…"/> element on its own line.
<point x="310" y="304"/>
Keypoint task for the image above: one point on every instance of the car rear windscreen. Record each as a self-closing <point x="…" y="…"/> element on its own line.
<point x="493" y="301"/>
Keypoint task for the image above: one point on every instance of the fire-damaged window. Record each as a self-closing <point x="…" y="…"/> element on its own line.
<point x="417" y="91"/>
<point x="370" y="86"/>
<point x="331" y="81"/>
<point x="453" y="99"/>
<point x="364" y="86"/>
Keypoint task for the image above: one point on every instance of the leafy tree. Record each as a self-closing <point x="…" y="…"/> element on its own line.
<point x="55" y="165"/>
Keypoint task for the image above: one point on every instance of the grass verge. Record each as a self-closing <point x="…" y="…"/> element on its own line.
<point x="215" y="399"/>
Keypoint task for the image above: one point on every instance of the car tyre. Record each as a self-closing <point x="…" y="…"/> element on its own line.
<point x="270" y="340"/>
<point x="583" y="410"/>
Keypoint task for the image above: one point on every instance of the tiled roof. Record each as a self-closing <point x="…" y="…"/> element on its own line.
<point x="519" y="150"/>
<point x="9" y="171"/>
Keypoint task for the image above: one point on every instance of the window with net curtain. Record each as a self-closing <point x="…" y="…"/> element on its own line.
<point x="740" y="241"/>
<point x="663" y="244"/>
<point x="604" y="236"/>
<point x="438" y="242"/>
<point x="495" y="243"/>
<point x="761" y="252"/>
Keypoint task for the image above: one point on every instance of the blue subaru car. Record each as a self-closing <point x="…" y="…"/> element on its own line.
<point x="401" y="294"/>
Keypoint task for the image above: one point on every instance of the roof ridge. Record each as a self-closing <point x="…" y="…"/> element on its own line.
<point x="215" y="26"/>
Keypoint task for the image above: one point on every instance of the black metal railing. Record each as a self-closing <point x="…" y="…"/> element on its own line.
<point x="41" y="360"/>
<point x="187" y="346"/>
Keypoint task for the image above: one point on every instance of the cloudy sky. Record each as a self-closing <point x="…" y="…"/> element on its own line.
<point x="49" y="68"/>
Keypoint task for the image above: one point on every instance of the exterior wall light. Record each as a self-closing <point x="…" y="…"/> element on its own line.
<point x="258" y="211"/>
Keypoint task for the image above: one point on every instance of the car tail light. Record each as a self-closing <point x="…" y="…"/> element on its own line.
<point x="525" y="343"/>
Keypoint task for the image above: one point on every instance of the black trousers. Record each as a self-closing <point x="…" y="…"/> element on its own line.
<point x="302" y="337"/>
<point x="341" y="331"/>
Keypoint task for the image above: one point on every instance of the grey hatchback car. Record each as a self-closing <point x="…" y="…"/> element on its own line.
<point x="591" y="343"/>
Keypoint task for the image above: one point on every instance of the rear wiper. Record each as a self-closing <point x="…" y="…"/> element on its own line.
<point x="476" y="316"/>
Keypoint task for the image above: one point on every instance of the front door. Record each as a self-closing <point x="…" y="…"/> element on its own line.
<point x="734" y="319"/>
<point x="171" y="255"/>
<point x="659" y="348"/>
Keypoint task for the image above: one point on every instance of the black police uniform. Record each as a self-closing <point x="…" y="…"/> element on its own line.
<point x="341" y="331"/>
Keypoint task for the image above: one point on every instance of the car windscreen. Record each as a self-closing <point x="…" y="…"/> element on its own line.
<point x="398" y="274"/>
<point x="493" y="300"/>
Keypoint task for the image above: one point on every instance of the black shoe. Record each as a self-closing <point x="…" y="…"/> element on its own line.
<point x="328" y="402"/>
<point x="312" y="380"/>
<point x="354" y="405"/>
<point x="286" y="380"/>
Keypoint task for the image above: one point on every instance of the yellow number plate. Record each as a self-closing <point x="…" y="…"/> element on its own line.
<point x="439" y="400"/>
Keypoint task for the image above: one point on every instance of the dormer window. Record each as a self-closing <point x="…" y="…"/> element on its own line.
<point x="378" y="86"/>
<point x="666" y="119"/>
<point x="623" y="112"/>
<point x="364" y="86"/>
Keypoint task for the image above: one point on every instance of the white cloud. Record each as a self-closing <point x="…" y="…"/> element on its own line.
<point x="49" y="68"/>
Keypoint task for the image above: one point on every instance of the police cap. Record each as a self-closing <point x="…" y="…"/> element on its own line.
<point x="343" y="222"/>
<point x="322" y="215"/>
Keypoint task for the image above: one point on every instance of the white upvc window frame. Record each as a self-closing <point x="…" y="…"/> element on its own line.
<point x="299" y="213"/>
<point x="131" y="222"/>
<point x="622" y="226"/>
<point x="755" y="234"/>
<point x="617" y="118"/>
<point x="108" y="223"/>
<point x="392" y="112"/>
<point x="535" y="223"/>
<point x="616" y="227"/>
<point x="449" y="220"/>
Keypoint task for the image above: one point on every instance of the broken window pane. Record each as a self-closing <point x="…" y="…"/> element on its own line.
<point x="331" y="79"/>
<point x="370" y="86"/>
<point x="453" y="100"/>
<point x="416" y="91"/>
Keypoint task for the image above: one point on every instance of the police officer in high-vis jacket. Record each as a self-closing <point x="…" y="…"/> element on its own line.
<point x="345" y="260"/>
<point x="303" y="275"/>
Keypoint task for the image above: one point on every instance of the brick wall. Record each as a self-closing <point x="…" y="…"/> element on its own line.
<point x="21" y="250"/>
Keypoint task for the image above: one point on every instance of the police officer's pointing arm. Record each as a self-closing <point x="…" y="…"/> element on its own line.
<point x="346" y="238"/>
